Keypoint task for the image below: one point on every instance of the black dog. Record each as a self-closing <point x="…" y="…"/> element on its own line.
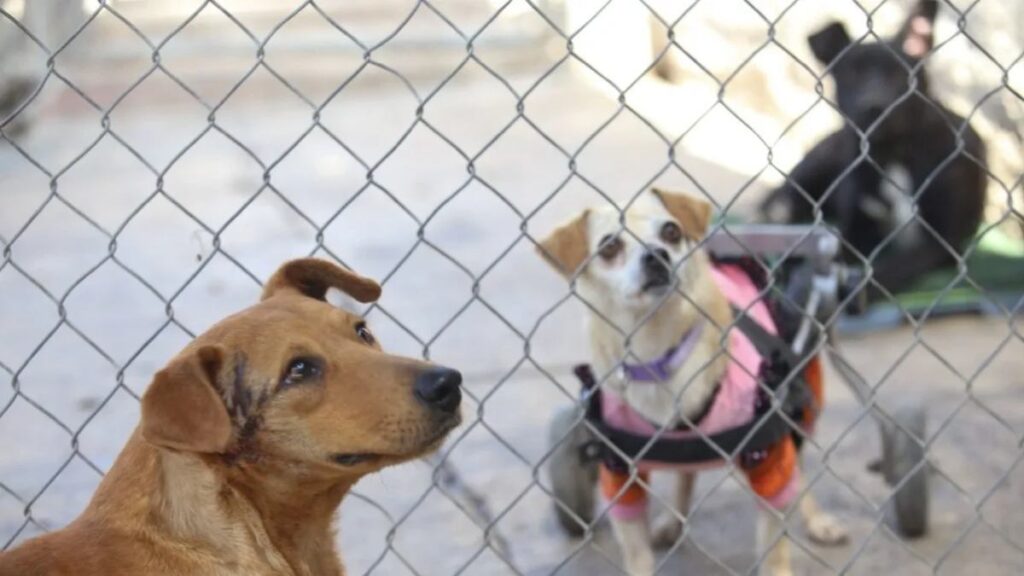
<point x="899" y="153"/>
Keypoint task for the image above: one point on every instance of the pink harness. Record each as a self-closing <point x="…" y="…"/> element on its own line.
<point x="734" y="403"/>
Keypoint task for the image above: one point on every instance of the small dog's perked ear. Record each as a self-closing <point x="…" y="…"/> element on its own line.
<point x="827" y="43"/>
<point x="182" y="410"/>
<point x="312" y="277"/>
<point x="693" y="214"/>
<point x="567" y="248"/>
<point x="917" y="36"/>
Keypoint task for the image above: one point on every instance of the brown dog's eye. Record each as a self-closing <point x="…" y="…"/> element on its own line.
<point x="364" y="333"/>
<point x="671" y="233"/>
<point x="610" y="247"/>
<point x="301" y="370"/>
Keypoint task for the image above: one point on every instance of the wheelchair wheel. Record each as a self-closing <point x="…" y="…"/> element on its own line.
<point x="902" y="454"/>
<point x="903" y="463"/>
<point x="572" y="479"/>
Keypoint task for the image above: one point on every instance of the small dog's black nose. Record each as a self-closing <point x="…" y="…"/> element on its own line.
<point x="656" y="259"/>
<point x="438" y="388"/>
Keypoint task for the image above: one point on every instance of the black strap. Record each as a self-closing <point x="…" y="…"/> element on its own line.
<point x="733" y="442"/>
<point x="772" y="347"/>
<point x="765" y="430"/>
<point x="781" y="366"/>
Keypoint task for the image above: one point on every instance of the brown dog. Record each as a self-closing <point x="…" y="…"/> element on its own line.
<point x="249" y="440"/>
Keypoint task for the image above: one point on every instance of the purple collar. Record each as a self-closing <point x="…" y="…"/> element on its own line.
<point x="662" y="369"/>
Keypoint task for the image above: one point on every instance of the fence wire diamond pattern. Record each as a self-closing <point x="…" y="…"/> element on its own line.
<point x="57" y="285"/>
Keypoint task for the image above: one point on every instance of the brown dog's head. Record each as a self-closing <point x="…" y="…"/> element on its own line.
<point x="296" y="380"/>
<point x="639" y="256"/>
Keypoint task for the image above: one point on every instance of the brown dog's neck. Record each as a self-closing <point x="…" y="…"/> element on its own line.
<point x="218" y="509"/>
<point x="296" y="509"/>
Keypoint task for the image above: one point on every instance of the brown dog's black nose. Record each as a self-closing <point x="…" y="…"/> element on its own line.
<point x="438" y="388"/>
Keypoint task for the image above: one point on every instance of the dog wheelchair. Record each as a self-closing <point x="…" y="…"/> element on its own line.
<point x="809" y="286"/>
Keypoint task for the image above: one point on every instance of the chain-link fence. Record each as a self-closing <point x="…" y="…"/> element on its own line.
<point x="159" y="159"/>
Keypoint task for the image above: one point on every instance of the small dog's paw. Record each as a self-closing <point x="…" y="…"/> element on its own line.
<point x="634" y="541"/>
<point x="640" y="567"/>
<point x="824" y="529"/>
<point x="640" y="563"/>
<point x="666" y="531"/>
<point x="639" y="560"/>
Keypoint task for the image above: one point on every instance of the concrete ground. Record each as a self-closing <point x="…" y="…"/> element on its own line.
<point x="470" y="293"/>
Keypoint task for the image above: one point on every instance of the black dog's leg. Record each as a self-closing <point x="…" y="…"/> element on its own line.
<point x="952" y="207"/>
<point x="898" y="270"/>
<point x="793" y="201"/>
<point x="847" y="206"/>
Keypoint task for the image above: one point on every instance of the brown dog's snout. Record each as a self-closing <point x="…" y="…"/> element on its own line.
<point x="438" y="389"/>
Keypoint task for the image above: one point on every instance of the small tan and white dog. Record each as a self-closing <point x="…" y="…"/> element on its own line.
<point x="634" y="270"/>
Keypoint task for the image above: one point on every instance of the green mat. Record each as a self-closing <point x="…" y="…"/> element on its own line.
<point x="996" y="283"/>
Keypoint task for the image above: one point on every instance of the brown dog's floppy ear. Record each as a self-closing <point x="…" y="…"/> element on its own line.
<point x="567" y="247"/>
<point x="312" y="277"/>
<point x="917" y="36"/>
<point x="182" y="410"/>
<point x="693" y="214"/>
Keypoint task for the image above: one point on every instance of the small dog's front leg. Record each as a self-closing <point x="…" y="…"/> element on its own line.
<point x="778" y="561"/>
<point x="634" y="541"/>
<point x="668" y="527"/>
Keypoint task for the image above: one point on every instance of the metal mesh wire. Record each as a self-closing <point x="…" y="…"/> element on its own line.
<point x="504" y="526"/>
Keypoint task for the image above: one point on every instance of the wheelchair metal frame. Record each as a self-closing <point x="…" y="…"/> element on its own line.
<point x="903" y="461"/>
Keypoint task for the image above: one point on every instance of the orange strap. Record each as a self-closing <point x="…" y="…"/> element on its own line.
<point x="771" y="475"/>
<point x="815" y="378"/>
<point x="614" y="487"/>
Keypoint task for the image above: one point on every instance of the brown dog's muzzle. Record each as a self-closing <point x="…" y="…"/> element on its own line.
<point x="438" y="390"/>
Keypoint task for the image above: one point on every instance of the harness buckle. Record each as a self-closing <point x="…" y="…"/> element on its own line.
<point x="591" y="451"/>
<point x="585" y="374"/>
<point x="751" y="458"/>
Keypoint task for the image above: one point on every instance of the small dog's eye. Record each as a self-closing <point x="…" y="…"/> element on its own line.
<point x="671" y="233"/>
<point x="364" y="333"/>
<point x="301" y="370"/>
<point x="610" y="247"/>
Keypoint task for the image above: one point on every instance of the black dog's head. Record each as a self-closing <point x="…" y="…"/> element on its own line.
<point x="872" y="78"/>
